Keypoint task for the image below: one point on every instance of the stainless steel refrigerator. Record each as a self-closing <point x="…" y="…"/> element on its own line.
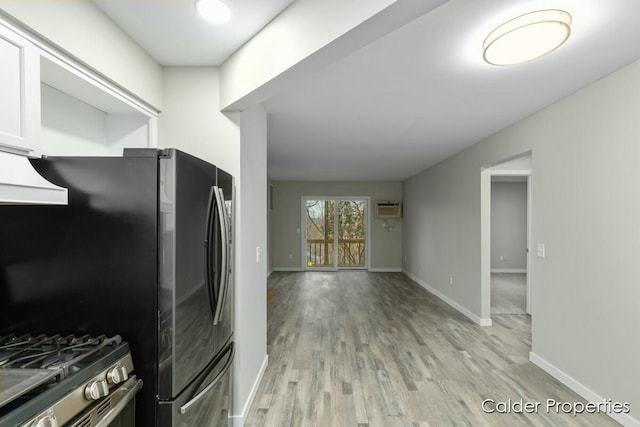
<point x="145" y="250"/>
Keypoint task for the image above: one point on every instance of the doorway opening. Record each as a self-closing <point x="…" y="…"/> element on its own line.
<point x="335" y="233"/>
<point x="509" y="201"/>
<point x="506" y="276"/>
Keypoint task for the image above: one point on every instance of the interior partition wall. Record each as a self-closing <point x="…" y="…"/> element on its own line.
<point x="335" y="233"/>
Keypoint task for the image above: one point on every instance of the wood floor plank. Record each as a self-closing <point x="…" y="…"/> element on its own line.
<point x="376" y="349"/>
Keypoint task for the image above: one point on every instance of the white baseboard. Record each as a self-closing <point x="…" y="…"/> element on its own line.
<point x="238" y="420"/>
<point x="590" y="396"/>
<point x="509" y="270"/>
<point x="373" y="270"/>
<point x="476" y="319"/>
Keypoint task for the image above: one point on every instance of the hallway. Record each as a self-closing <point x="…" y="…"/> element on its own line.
<point x="508" y="293"/>
<point x="376" y="349"/>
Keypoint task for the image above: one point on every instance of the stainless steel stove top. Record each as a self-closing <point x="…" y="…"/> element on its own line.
<point x="49" y="352"/>
<point x="57" y="378"/>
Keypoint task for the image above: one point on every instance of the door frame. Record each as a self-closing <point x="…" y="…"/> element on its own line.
<point x="303" y="233"/>
<point x="485" y="230"/>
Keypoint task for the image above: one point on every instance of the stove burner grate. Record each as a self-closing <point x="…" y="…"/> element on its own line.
<point x="50" y="352"/>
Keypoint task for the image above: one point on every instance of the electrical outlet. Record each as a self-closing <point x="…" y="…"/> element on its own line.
<point x="451" y="280"/>
<point x="290" y="256"/>
<point x="501" y="257"/>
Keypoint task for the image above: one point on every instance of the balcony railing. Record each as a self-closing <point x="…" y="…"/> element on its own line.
<point x="351" y="252"/>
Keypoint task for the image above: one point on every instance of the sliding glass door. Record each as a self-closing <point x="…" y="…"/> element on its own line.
<point x="335" y="233"/>
<point x="320" y="238"/>
<point x="351" y="233"/>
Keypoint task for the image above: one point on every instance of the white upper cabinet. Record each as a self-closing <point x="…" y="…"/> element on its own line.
<point x="51" y="104"/>
<point x="83" y="117"/>
<point x="19" y="93"/>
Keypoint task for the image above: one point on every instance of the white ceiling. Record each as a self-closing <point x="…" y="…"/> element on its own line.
<point x="407" y="100"/>
<point x="423" y="92"/>
<point x="172" y="32"/>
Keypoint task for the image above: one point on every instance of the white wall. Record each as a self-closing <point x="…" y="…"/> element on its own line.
<point x="509" y="226"/>
<point x="192" y="121"/>
<point x="71" y="127"/>
<point x="585" y="210"/>
<point x="81" y="29"/>
<point x="305" y="38"/>
<point x="129" y="130"/>
<point x="386" y="246"/>
<point x="251" y="294"/>
<point x="299" y="31"/>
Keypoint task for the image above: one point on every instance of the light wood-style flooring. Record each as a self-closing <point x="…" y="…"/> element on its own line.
<point x="375" y="349"/>
<point x="508" y="293"/>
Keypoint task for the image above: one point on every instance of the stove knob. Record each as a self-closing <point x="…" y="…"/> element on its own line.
<point x="117" y="375"/>
<point x="96" y="389"/>
<point x="48" y="421"/>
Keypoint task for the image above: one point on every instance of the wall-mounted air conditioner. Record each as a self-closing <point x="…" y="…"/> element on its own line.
<point x="388" y="209"/>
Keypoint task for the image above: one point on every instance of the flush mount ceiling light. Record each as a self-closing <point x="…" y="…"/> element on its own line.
<point x="527" y="37"/>
<point x="214" y="11"/>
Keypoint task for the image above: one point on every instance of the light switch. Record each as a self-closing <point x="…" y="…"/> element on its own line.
<point x="298" y="230"/>
<point x="540" y="250"/>
<point x="257" y="253"/>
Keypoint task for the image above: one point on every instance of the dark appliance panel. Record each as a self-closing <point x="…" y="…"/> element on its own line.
<point x="187" y="334"/>
<point x="137" y="252"/>
<point x="90" y="266"/>
<point x="205" y="402"/>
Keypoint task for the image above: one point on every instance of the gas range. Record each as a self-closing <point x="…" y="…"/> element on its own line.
<point x="51" y="381"/>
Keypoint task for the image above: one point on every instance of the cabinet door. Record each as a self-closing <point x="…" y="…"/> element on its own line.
<point x="19" y="93"/>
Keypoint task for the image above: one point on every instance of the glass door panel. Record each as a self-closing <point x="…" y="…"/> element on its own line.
<point x="351" y="233"/>
<point x="320" y="236"/>
<point x="335" y="233"/>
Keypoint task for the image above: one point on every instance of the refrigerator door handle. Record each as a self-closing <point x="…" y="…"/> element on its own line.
<point x="184" y="408"/>
<point x="224" y="283"/>
<point x="224" y="245"/>
<point x="209" y="242"/>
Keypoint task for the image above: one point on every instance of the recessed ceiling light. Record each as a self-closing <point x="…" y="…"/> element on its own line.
<point x="214" y="11"/>
<point x="527" y="37"/>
